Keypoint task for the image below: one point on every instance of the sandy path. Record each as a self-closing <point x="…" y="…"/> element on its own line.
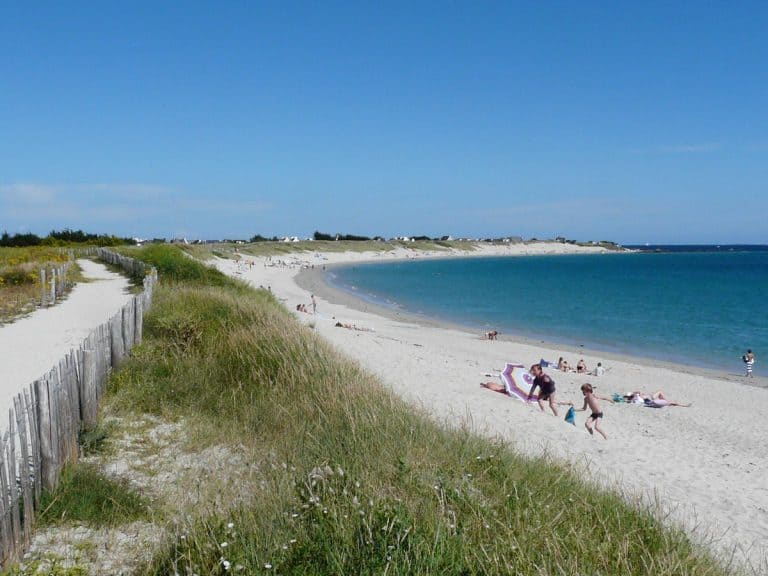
<point x="706" y="464"/>
<point x="31" y="346"/>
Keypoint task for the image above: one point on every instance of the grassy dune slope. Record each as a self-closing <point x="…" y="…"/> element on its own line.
<point x="350" y="479"/>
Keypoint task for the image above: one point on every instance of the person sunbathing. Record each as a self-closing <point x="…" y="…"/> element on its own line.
<point x="495" y="386"/>
<point x="581" y="367"/>
<point x="350" y="326"/>
<point x="655" y="400"/>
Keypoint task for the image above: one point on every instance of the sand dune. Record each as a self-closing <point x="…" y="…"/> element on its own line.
<point x="705" y="465"/>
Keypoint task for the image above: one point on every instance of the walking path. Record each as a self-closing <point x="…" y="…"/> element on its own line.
<point x="31" y="346"/>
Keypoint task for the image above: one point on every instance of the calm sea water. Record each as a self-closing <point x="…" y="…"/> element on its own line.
<point x="697" y="308"/>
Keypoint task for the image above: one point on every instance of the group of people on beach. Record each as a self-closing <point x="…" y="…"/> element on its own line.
<point x="581" y="367"/>
<point x="303" y="307"/>
<point x="547" y="394"/>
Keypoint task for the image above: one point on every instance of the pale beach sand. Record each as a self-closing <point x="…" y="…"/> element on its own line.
<point x="705" y="465"/>
<point x="31" y="346"/>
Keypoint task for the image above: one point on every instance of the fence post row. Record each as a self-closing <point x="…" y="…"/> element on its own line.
<point x="47" y="416"/>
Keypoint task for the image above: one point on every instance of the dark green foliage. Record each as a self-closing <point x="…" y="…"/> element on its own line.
<point x="63" y="238"/>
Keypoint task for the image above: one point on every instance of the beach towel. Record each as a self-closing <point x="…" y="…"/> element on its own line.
<point x="570" y="416"/>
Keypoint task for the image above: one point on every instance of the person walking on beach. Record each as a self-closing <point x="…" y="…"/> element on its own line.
<point x="591" y="400"/>
<point x="749" y="360"/>
<point x="546" y="387"/>
<point x="314" y="304"/>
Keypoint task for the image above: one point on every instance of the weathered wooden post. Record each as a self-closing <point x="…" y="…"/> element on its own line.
<point x="15" y="515"/>
<point x="47" y="455"/>
<point x="88" y="395"/>
<point x="43" y="287"/>
<point x="26" y="488"/>
<point x="138" y="319"/>
<point x="53" y="286"/>
<point x="6" y="525"/>
<point x="128" y="326"/>
<point x="116" y="339"/>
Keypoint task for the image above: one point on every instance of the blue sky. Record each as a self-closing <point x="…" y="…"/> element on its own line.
<point x="642" y="122"/>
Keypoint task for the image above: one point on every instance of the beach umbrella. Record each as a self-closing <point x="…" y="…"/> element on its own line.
<point x="517" y="381"/>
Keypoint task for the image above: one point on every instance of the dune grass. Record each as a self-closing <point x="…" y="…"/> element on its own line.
<point x="352" y="480"/>
<point x="87" y="496"/>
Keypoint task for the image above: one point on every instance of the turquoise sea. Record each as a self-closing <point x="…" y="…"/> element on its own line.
<point x="698" y="308"/>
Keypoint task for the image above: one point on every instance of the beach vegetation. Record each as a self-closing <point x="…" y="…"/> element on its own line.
<point x="94" y="439"/>
<point x="66" y="237"/>
<point x="349" y="479"/>
<point x="86" y="495"/>
<point x="20" y="280"/>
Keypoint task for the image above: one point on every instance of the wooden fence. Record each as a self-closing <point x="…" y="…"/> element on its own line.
<point x="54" y="283"/>
<point x="48" y="415"/>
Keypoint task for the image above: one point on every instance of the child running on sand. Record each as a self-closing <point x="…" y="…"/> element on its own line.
<point x="546" y="387"/>
<point x="591" y="400"/>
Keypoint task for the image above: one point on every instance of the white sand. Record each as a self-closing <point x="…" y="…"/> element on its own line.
<point x="32" y="346"/>
<point x="706" y="464"/>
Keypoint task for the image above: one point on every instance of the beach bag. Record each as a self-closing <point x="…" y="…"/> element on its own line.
<point x="618" y="398"/>
<point x="570" y="416"/>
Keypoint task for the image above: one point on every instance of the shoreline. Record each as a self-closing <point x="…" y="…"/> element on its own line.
<point x="315" y="281"/>
<point x="698" y="467"/>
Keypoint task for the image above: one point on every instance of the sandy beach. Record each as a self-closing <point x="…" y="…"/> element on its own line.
<point x="33" y="345"/>
<point x="704" y="465"/>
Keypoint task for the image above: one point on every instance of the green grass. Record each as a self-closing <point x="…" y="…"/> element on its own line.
<point x="351" y="479"/>
<point x="174" y="267"/>
<point x="94" y="439"/>
<point x="87" y="496"/>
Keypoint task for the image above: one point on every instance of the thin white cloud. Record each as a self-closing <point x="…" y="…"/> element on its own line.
<point x="27" y="193"/>
<point x="690" y="148"/>
<point x="116" y="205"/>
<point x="37" y="193"/>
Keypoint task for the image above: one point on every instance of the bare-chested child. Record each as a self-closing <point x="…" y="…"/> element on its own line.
<point x="593" y="401"/>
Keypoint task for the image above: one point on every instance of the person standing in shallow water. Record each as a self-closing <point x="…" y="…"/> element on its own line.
<point x="749" y="360"/>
